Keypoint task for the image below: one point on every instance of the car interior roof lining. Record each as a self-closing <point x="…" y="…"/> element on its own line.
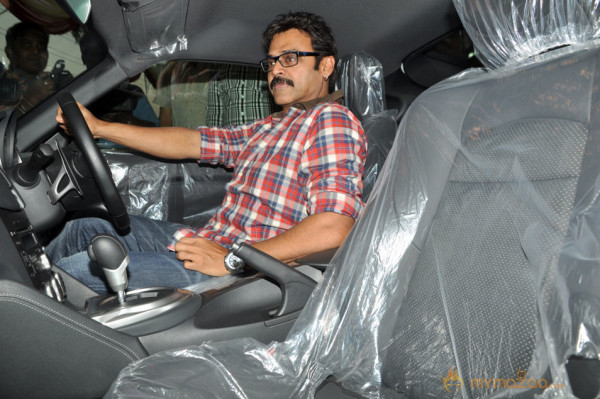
<point x="232" y="31"/>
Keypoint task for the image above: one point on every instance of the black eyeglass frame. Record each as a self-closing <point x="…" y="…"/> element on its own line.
<point x="265" y="65"/>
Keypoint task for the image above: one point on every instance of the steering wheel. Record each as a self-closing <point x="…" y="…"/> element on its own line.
<point x="99" y="168"/>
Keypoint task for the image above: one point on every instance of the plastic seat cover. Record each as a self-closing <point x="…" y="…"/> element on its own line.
<point x="473" y="271"/>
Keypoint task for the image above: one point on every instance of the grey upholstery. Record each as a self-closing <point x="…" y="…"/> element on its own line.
<point x="380" y="130"/>
<point x="474" y="265"/>
<point x="499" y="230"/>
<point x="361" y="78"/>
<point x="49" y="352"/>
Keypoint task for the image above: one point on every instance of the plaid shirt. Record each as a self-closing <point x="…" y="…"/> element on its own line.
<point x="287" y="167"/>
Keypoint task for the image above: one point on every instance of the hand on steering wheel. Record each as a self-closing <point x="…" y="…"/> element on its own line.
<point x="96" y="162"/>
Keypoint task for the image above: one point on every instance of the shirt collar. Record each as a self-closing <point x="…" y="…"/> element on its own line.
<point x="335" y="97"/>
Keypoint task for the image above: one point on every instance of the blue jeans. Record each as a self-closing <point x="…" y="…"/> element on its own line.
<point x="151" y="263"/>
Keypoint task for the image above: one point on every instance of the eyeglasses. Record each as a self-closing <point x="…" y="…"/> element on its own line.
<point x="287" y="59"/>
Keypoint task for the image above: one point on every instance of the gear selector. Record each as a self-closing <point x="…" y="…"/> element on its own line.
<point x="140" y="311"/>
<point x="112" y="256"/>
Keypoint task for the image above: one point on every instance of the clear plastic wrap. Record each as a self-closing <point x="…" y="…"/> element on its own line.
<point x="155" y="27"/>
<point x="360" y="76"/>
<point x="178" y="192"/>
<point x="506" y="32"/>
<point x="143" y="185"/>
<point x="380" y="130"/>
<point x="474" y="268"/>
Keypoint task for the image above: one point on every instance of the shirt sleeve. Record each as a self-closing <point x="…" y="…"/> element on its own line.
<point x="222" y="146"/>
<point x="332" y="163"/>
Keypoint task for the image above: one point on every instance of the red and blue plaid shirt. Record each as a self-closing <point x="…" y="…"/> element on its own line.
<point x="286" y="167"/>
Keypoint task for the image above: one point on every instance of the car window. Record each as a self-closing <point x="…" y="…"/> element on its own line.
<point x="32" y="70"/>
<point x="189" y="94"/>
<point x="35" y="64"/>
<point x="202" y="93"/>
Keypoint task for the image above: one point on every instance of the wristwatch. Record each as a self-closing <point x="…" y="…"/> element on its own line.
<point x="233" y="263"/>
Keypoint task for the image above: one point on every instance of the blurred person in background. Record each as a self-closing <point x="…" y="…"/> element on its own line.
<point x="27" y="51"/>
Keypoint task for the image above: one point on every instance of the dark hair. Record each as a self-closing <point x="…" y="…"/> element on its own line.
<point x="320" y="34"/>
<point x="18" y="30"/>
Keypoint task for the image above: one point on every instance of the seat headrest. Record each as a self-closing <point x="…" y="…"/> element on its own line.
<point x="360" y="76"/>
<point x="506" y="32"/>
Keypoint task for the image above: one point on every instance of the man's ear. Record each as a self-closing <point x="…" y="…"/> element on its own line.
<point x="326" y="66"/>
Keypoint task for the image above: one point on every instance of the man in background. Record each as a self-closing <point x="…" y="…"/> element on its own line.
<point x="27" y="51"/>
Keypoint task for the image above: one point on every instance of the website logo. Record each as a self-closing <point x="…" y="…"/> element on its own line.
<point x="521" y="382"/>
<point x="452" y="381"/>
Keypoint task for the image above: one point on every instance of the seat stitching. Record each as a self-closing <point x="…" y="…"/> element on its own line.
<point x="82" y="329"/>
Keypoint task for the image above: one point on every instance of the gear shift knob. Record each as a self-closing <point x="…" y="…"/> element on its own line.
<point x="112" y="256"/>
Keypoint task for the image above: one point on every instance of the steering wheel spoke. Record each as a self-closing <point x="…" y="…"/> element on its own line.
<point x="65" y="174"/>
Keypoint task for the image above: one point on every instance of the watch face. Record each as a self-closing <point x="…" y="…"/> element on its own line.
<point x="233" y="263"/>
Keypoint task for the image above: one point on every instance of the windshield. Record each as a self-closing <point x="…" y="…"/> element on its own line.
<point x="36" y="63"/>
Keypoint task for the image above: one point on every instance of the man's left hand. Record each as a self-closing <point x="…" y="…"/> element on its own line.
<point x="202" y="255"/>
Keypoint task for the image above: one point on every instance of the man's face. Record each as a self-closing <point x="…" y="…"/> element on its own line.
<point x="301" y="82"/>
<point x="30" y="53"/>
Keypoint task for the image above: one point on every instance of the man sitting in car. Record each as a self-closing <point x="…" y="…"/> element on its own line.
<point x="297" y="179"/>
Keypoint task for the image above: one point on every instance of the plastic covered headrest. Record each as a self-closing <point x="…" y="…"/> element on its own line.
<point x="505" y="32"/>
<point x="360" y="76"/>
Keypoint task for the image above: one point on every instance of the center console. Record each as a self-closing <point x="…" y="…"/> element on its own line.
<point x="51" y="319"/>
<point x="145" y="311"/>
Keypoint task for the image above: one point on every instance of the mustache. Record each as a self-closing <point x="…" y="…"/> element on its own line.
<point x="279" y="79"/>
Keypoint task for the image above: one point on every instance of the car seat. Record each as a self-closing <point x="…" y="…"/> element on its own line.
<point x="361" y="77"/>
<point x="474" y="268"/>
<point x="183" y="192"/>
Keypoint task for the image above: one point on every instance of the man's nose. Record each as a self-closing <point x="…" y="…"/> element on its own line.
<point x="277" y="69"/>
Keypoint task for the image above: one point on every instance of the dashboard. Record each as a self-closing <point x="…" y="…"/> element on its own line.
<point x="24" y="259"/>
